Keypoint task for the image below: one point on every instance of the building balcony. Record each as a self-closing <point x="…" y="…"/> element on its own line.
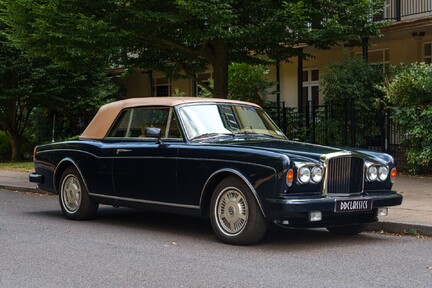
<point x="405" y="10"/>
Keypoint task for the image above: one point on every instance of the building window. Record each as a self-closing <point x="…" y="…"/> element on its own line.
<point x="161" y="87"/>
<point x="378" y="57"/>
<point x="427" y="53"/>
<point x="310" y="88"/>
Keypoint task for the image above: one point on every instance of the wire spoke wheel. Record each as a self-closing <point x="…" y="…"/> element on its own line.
<point x="232" y="211"/>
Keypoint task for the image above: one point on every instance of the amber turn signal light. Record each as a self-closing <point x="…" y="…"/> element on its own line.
<point x="393" y="175"/>
<point x="290" y="177"/>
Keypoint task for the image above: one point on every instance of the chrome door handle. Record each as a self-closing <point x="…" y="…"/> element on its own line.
<point x="123" y="151"/>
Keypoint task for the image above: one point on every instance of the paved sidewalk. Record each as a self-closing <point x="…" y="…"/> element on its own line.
<point x="12" y="180"/>
<point x="414" y="216"/>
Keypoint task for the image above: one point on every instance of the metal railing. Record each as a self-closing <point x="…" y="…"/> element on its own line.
<point x="339" y="127"/>
<point x="397" y="10"/>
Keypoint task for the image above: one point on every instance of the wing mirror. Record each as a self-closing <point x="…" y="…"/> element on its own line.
<point x="153" y="132"/>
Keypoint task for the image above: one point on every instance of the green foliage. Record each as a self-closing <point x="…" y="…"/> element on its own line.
<point x="27" y="82"/>
<point x="409" y="92"/>
<point x="182" y="36"/>
<point x="178" y="93"/>
<point x="248" y="82"/>
<point x="5" y="149"/>
<point x="350" y="91"/>
<point x="82" y="97"/>
<point x="411" y="85"/>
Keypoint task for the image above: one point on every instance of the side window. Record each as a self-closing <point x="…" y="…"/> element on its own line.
<point x="121" y="126"/>
<point x="132" y="122"/>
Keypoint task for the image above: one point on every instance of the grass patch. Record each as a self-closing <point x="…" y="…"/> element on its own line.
<point x="17" y="166"/>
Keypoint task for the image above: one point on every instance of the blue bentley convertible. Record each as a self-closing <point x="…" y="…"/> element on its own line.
<point x="221" y="159"/>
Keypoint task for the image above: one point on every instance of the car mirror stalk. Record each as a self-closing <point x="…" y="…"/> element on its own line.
<point x="153" y="132"/>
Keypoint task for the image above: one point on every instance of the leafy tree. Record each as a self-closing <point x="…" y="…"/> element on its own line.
<point x="29" y="82"/>
<point x="181" y="37"/>
<point x="24" y="84"/>
<point x="81" y="97"/>
<point x="350" y="89"/>
<point x="248" y="82"/>
<point x="409" y="93"/>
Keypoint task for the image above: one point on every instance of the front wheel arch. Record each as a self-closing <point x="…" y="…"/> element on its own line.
<point x="214" y="180"/>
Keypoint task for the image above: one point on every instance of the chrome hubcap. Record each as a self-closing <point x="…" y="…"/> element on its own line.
<point x="71" y="192"/>
<point x="231" y="211"/>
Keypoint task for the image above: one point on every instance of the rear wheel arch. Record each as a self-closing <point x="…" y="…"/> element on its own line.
<point x="61" y="168"/>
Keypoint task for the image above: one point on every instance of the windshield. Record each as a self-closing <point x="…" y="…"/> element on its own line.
<point x="210" y="120"/>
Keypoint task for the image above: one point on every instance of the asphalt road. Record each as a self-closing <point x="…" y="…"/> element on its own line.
<point x="129" y="248"/>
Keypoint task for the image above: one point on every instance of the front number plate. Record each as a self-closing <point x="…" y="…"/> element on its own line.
<point x="353" y="205"/>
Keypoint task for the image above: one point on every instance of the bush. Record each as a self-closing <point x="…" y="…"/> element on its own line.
<point x="352" y="85"/>
<point x="409" y="92"/>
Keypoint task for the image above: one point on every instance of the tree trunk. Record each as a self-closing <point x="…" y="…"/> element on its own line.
<point x="15" y="141"/>
<point x="220" y="70"/>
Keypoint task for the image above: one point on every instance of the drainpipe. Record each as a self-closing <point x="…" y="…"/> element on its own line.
<point x="194" y="88"/>
<point x="150" y="79"/>
<point x="300" y="80"/>
<point x="278" y="92"/>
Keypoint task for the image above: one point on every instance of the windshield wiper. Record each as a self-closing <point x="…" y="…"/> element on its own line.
<point x="254" y="134"/>
<point x="212" y="135"/>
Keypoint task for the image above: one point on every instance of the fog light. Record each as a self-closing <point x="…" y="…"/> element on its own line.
<point x="383" y="211"/>
<point x="315" y="216"/>
<point x="285" y="222"/>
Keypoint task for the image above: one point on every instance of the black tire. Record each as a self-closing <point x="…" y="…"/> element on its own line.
<point x="235" y="215"/>
<point x="74" y="200"/>
<point x="348" y="230"/>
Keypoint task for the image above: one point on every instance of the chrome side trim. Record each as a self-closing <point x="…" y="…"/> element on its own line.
<point x="145" y="201"/>
<point x="67" y="159"/>
<point x="239" y="175"/>
<point x="155" y="157"/>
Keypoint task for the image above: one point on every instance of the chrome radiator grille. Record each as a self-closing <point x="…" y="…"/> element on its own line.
<point x="344" y="175"/>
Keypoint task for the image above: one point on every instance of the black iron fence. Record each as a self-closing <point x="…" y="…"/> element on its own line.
<point x="397" y="9"/>
<point x="341" y="126"/>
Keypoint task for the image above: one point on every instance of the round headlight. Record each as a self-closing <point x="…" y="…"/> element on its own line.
<point x="316" y="174"/>
<point x="304" y="175"/>
<point x="383" y="172"/>
<point x="372" y="173"/>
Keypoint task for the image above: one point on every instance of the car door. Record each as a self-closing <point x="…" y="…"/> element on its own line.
<point x="143" y="168"/>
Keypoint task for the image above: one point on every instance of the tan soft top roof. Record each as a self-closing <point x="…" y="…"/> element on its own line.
<point x="104" y="118"/>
